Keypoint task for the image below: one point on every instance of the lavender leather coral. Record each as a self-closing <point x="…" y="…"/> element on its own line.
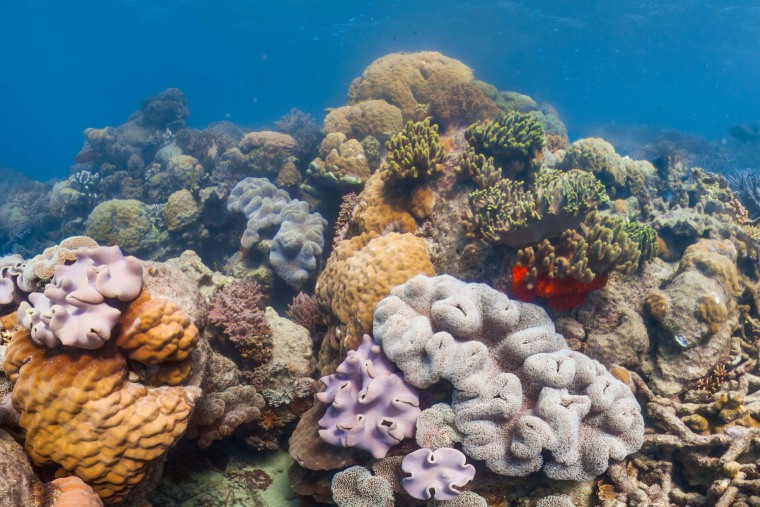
<point x="436" y="474"/>
<point x="523" y="401"/>
<point x="11" y="267"/>
<point x="78" y="308"/>
<point x="370" y="405"/>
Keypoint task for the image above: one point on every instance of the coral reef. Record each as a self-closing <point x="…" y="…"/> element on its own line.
<point x="415" y="153"/>
<point x="237" y="310"/>
<point x="436" y="474"/>
<point x="461" y="104"/>
<point x="495" y="352"/>
<point x="514" y="142"/>
<point x="375" y="118"/>
<point x="369" y="404"/>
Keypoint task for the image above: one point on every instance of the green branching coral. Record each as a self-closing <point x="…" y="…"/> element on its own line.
<point x="645" y="237"/>
<point x="507" y="213"/>
<point x="600" y="245"/>
<point x="479" y="168"/>
<point x="415" y="152"/>
<point x="514" y="141"/>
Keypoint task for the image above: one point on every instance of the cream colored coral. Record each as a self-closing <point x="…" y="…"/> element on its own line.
<point x="40" y="269"/>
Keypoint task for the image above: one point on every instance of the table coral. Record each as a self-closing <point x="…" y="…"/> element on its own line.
<point x="497" y="354"/>
<point x="407" y="80"/>
<point x="369" y="404"/>
<point x="436" y="474"/>
<point x="359" y="273"/>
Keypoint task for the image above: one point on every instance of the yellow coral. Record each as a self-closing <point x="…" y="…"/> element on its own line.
<point x="408" y="80"/>
<point x="380" y="210"/>
<point x="712" y="312"/>
<point x="359" y="273"/>
<point x="658" y="305"/>
<point x="374" y="118"/>
<point x="715" y="259"/>
<point x="80" y="412"/>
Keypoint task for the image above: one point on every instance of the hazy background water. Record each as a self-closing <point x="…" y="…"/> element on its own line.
<point x="67" y="65"/>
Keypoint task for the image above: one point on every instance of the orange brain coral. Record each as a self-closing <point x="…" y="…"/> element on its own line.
<point x="79" y="411"/>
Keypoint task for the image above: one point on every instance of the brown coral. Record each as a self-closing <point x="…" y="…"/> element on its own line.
<point x="712" y="312"/>
<point x="374" y="118"/>
<point x="380" y="210"/>
<point x="658" y="305"/>
<point x="80" y="412"/>
<point x="219" y="414"/>
<point x="359" y="273"/>
<point x="461" y="104"/>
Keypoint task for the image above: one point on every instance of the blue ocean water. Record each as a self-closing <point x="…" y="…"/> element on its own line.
<point x="687" y="65"/>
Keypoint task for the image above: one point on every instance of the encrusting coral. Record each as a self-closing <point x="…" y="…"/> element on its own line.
<point x="497" y="353"/>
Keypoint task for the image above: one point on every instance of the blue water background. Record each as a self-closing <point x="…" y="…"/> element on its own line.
<point x="69" y="65"/>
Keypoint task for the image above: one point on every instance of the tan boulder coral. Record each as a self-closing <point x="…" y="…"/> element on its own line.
<point x="359" y="273"/>
<point x="341" y="164"/>
<point x="263" y="153"/>
<point x="123" y="222"/>
<point x="408" y="80"/>
<point x="90" y="419"/>
<point x="374" y="118"/>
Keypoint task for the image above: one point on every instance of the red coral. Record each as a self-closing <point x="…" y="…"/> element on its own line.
<point x="238" y="311"/>
<point x="561" y="294"/>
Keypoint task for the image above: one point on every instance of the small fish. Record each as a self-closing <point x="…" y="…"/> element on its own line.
<point x="86" y="157"/>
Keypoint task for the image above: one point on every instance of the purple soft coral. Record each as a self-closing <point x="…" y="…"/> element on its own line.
<point x="11" y="267"/>
<point x="371" y="406"/>
<point x="74" y="310"/>
<point x="436" y="473"/>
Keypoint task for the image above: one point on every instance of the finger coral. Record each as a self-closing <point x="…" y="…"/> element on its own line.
<point x="415" y="153"/>
<point x="514" y="141"/>
<point x="369" y="404"/>
<point x="436" y="474"/>
<point x="523" y="400"/>
<point x="74" y="310"/>
<point x="90" y="419"/>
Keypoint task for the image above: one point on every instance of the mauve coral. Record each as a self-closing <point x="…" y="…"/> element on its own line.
<point x="370" y="405"/>
<point x="436" y="473"/>
<point x="237" y="310"/>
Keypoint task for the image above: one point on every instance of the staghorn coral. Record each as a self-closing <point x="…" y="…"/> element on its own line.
<point x="514" y="141"/>
<point x="296" y="250"/>
<point x="74" y="310"/>
<point x="374" y="118"/>
<point x="408" y="80"/>
<point x="415" y="153"/>
<point x="359" y="273"/>
<point x="369" y="404"/>
<point x="505" y="212"/>
<point x="461" y="104"/>
<point x="436" y="474"/>
<point x="91" y="420"/>
<point x="237" y="310"/>
<point x="498" y="353"/>
<point x="357" y="487"/>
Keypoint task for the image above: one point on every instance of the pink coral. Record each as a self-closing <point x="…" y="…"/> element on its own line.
<point x="436" y="473"/>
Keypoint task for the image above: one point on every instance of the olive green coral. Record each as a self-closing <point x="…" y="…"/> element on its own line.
<point x="507" y="213"/>
<point x="515" y="141"/>
<point x="415" y="152"/>
<point x="601" y="244"/>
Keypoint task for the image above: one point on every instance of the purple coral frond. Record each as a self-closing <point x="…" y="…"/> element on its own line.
<point x="436" y="474"/>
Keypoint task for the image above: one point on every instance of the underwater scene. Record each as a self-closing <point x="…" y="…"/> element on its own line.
<point x="376" y="254"/>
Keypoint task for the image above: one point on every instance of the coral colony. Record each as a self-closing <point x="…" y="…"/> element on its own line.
<point x="479" y="311"/>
